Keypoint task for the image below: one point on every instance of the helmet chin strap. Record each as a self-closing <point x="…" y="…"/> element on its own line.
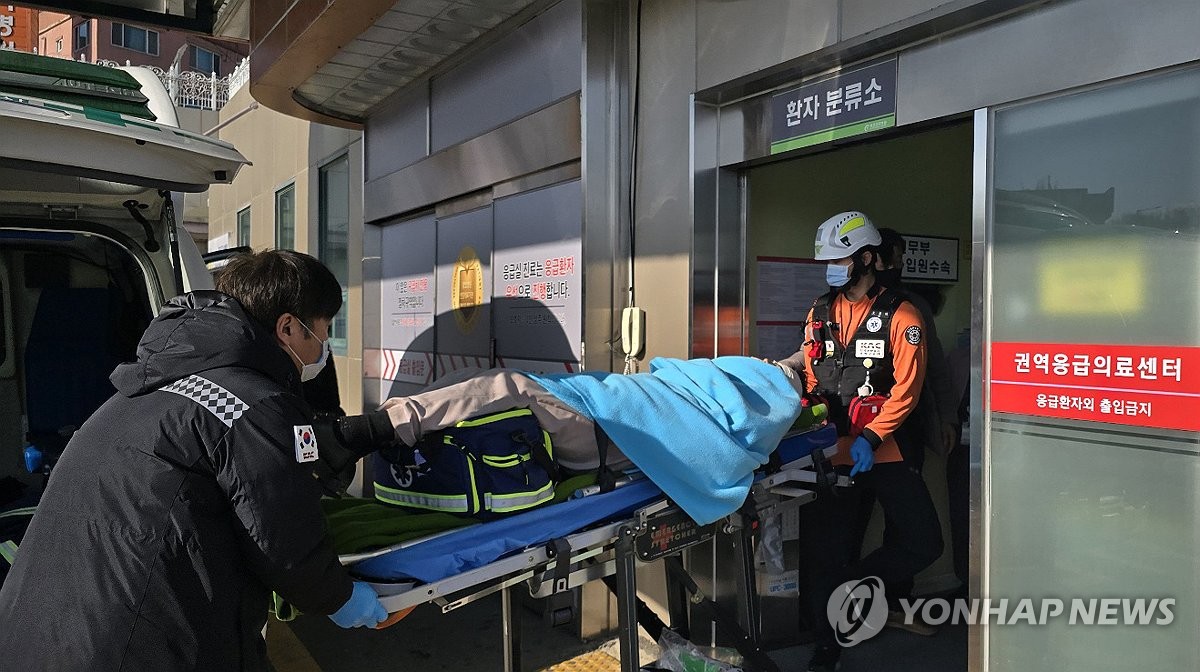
<point x="859" y="268"/>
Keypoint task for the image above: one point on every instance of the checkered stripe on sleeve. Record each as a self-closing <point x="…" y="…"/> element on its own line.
<point x="214" y="398"/>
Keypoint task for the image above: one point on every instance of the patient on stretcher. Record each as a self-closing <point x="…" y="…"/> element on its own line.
<point x="697" y="428"/>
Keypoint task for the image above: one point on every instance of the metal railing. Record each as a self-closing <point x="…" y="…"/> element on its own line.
<point x="196" y="89"/>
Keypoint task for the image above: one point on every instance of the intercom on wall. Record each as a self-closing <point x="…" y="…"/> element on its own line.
<point x="633" y="330"/>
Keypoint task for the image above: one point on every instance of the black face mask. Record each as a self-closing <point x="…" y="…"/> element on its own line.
<point x="888" y="278"/>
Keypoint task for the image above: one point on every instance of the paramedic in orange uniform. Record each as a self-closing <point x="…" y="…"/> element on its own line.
<point x="862" y="341"/>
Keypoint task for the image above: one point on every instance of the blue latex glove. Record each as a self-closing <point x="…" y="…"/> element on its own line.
<point x="362" y="610"/>
<point x="863" y="456"/>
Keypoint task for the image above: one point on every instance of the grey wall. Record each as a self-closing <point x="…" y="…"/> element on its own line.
<point x="737" y="37"/>
<point x="1062" y="45"/>
<point x="397" y="136"/>
<point x="539" y="63"/>
<point x="509" y="111"/>
<point x="743" y="38"/>
<point x="663" y="207"/>
<point x="862" y="16"/>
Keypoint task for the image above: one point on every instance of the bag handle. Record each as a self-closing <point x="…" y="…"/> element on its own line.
<point x="539" y="452"/>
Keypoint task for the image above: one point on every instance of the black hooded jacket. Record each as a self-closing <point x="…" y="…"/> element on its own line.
<point x="175" y="510"/>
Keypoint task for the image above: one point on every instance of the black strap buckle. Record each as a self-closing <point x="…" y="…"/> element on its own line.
<point x="560" y="550"/>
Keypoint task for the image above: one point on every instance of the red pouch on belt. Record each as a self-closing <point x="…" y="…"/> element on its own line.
<point x="863" y="410"/>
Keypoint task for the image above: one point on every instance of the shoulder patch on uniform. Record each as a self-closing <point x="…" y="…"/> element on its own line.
<point x="913" y="335"/>
<point x="306" y="443"/>
<point x="214" y="398"/>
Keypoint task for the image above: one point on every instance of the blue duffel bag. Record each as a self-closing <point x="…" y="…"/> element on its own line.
<point x="486" y="466"/>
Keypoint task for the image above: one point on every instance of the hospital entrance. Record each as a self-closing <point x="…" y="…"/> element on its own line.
<point x="920" y="185"/>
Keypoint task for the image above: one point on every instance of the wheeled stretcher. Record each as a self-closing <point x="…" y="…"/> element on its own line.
<point x="599" y="536"/>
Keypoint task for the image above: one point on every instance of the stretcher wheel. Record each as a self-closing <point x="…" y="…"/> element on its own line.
<point x="394" y="618"/>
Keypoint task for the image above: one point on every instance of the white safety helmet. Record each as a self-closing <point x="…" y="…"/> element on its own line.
<point x="844" y="234"/>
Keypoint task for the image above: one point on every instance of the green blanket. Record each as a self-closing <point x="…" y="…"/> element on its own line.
<point x="358" y="524"/>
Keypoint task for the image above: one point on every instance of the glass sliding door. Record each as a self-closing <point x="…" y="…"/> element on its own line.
<point x="1093" y="411"/>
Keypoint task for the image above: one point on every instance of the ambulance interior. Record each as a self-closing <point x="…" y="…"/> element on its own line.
<point x="919" y="184"/>
<point x="72" y="307"/>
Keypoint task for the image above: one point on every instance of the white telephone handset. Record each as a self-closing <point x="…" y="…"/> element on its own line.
<point x="633" y="329"/>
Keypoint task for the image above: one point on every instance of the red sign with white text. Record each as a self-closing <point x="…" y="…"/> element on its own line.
<point x="1146" y="386"/>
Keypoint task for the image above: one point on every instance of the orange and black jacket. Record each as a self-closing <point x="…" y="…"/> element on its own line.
<point x="899" y="376"/>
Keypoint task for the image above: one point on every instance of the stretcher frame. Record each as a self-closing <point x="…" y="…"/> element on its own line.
<point x="607" y="552"/>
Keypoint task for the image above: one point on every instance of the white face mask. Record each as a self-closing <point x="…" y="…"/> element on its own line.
<point x="310" y="371"/>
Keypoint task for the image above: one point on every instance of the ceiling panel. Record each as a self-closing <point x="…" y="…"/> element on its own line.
<point x="368" y="48"/>
<point x="402" y="21"/>
<point x="404" y="45"/>
<point x="352" y="59"/>
<point x="423" y="7"/>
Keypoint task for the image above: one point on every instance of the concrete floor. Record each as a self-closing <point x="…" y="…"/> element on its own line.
<point x="469" y="640"/>
<point x="892" y="651"/>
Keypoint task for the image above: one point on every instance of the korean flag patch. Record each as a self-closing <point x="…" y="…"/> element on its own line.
<point x="306" y="443"/>
<point x="913" y="335"/>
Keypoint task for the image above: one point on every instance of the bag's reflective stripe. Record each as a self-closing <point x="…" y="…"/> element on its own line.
<point x="505" y="503"/>
<point x="8" y="550"/>
<point x="505" y="460"/>
<point x="27" y="511"/>
<point x="422" y="500"/>
<point x="474" y="486"/>
<point x="495" y="417"/>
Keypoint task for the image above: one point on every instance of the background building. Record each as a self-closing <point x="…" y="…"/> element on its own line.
<point x="90" y="39"/>
<point x="18" y="28"/>
<point x="303" y="191"/>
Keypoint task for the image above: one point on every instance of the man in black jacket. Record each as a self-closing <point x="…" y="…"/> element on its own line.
<point x="189" y="495"/>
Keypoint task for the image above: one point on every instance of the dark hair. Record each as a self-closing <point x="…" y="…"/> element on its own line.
<point x="858" y="267"/>
<point x="273" y="282"/>
<point x="889" y="241"/>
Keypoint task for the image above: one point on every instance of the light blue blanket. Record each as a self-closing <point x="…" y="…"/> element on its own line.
<point x="697" y="428"/>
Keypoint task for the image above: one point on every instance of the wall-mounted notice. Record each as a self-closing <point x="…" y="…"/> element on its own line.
<point x="1142" y="385"/>
<point x="930" y="259"/>
<point x="787" y="288"/>
<point x="538" y="274"/>
<point x="407" y="289"/>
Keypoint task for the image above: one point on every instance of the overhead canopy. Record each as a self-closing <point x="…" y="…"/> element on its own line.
<point x="336" y="61"/>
